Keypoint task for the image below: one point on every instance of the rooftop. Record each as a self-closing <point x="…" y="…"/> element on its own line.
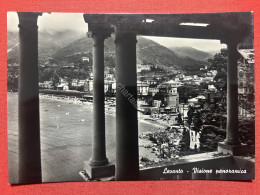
<point x="248" y="54"/>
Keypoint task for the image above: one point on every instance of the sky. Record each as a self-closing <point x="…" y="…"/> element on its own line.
<point x="52" y="22"/>
<point x="200" y="44"/>
<point x="74" y="21"/>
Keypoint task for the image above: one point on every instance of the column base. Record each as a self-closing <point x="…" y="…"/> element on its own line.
<point x="234" y="150"/>
<point x="96" y="172"/>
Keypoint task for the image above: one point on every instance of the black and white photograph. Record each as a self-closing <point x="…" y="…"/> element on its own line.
<point x="123" y="97"/>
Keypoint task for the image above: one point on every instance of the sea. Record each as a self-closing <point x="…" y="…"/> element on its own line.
<point x="66" y="137"/>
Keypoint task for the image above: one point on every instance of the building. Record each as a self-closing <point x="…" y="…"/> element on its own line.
<point x="246" y="82"/>
<point x="213" y="72"/>
<point x="46" y="85"/>
<point x="141" y="67"/>
<point x="183" y="110"/>
<point x="174" y="84"/>
<point x="63" y="87"/>
<point x="89" y="85"/>
<point x="74" y="82"/>
<point x="172" y="101"/>
<point x="110" y="87"/>
<point x="188" y="78"/>
<point x="153" y="90"/>
<point x="85" y="59"/>
<point x="142" y="88"/>
<point x="197" y="101"/>
<point x="109" y="76"/>
<point x="168" y="95"/>
<point x="212" y="88"/>
<point x="246" y="73"/>
<point x="81" y="83"/>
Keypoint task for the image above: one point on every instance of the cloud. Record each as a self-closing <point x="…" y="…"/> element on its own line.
<point x="12" y="21"/>
<point x="52" y="22"/>
<point x="200" y="44"/>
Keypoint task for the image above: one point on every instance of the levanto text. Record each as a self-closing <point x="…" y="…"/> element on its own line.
<point x="172" y="171"/>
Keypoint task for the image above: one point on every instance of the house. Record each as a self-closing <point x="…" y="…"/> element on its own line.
<point x="183" y="110"/>
<point x="172" y="101"/>
<point x="63" y="81"/>
<point x="74" y="82"/>
<point x="46" y="85"/>
<point x="199" y="100"/>
<point x="91" y="75"/>
<point x="214" y="72"/>
<point x="153" y="90"/>
<point x="169" y="95"/>
<point x="81" y="83"/>
<point x="212" y="88"/>
<point x="174" y="84"/>
<point x="157" y="103"/>
<point x="152" y="82"/>
<point x="141" y="67"/>
<point x="109" y="76"/>
<point x="142" y="88"/>
<point x="63" y="87"/>
<point x="89" y="85"/>
<point x="208" y="79"/>
<point x="188" y="78"/>
<point x="173" y="90"/>
<point x="110" y="86"/>
<point x="85" y="59"/>
<point x="193" y="100"/>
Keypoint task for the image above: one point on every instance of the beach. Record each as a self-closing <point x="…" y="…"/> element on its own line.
<point x="66" y="136"/>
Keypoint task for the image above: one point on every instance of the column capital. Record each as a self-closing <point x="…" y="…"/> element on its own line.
<point x="231" y="37"/>
<point x="93" y="35"/>
<point x="98" y="38"/>
<point x="99" y="29"/>
<point x="125" y="27"/>
<point x="28" y="19"/>
<point x="125" y="32"/>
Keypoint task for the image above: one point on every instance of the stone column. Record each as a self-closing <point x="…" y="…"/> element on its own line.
<point x="98" y="139"/>
<point x="28" y="111"/>
<point x="98" y="165"/>
<point x="127" y="156"/>
<point x="232" y="144"/>
<point x="232" y="137"/>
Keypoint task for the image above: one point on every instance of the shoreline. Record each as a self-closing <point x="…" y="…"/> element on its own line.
<point x="111" y="110"/>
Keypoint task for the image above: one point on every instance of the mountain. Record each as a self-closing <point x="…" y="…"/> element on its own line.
<point x="48" y="43"/>
<point x="148" y="52"/>
<point x="191" y="53"/>
<point x="68" y="46"/>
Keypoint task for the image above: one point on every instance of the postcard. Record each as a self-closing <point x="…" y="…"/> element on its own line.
<point x="113" y="97"/>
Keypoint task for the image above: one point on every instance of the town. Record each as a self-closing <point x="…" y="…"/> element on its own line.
<point x="193" y="101"/>
<point x="171" y="95"/>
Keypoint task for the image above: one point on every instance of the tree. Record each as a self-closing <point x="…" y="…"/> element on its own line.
<point x="219" y="63"/>
<point x="179" y="119"/>
<point x="12" y="78"/>
<point x="190" y="114"/>
<point x="197" y="122"/>
<point x="188" y="91"/>
<point x="149" y="99"/>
